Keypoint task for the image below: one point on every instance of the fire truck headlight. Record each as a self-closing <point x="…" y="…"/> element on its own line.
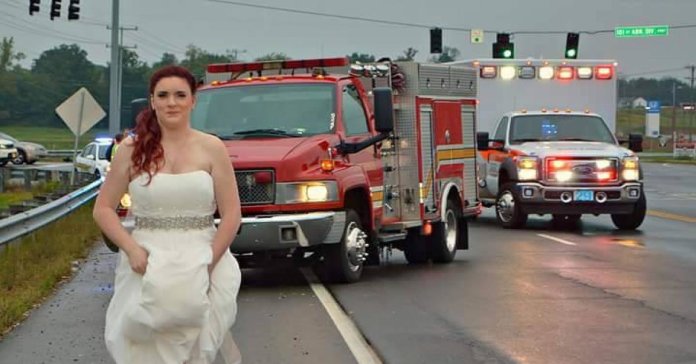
<point x="316" y="193"/>
<point x="631" y="170"/>
<point x="527" y="168"/>
<point x="306" y="192"/>
<point x="507" y="72"/>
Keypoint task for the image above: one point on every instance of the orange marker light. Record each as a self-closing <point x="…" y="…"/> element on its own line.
<point x="427" y="228"/>
<point x="327" y="165"/>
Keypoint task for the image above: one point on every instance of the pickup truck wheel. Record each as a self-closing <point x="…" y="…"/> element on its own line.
<point x="507" y="208"/>
<point x="3" y="163"/>
<point x="633" y="220"/>
<point x="443" y="241"/>
<point x="343" y="262"/>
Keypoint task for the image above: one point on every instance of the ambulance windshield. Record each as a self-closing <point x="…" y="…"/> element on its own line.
<point x="271" y="110"/>
<point x="554" y="127"/>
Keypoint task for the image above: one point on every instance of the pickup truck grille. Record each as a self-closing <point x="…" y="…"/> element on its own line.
<point x="256" y="187"/>
<point x="583" y="171"/>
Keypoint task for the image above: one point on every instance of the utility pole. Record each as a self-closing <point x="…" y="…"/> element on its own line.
<point x="114" y="105"/>
<point x="691" y="101"/>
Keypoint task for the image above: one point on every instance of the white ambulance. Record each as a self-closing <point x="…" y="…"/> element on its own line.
<point x="547" y="143"/>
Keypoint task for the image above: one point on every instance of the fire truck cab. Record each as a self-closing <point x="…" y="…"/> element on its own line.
<point x="336" y="163"/>
<point x="547" y="145"/>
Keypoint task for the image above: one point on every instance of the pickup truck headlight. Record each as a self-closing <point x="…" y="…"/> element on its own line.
<point x="630" y="169"/>
<point x="527" y="168"/>
<point x="303" y="192"/>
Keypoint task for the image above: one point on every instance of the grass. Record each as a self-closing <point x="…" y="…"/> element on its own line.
<point x="51" y="138"/>
<point x="16" y="194"/>
<point x="677" y="160"/>
<point x="31" y="269"/>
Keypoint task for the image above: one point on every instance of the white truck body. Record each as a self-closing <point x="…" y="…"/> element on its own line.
<point x="547" y="145"/>
<point x="498" y="96"/>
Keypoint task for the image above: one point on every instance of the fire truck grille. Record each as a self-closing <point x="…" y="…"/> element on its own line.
<point x="589" y="171"/>
<point x="256" y="187"/>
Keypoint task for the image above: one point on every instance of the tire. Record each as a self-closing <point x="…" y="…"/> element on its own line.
<point x="444" y="240"/>
<point x="566" y="221"/>
<point x="343" y="262"/>
<point x="20" y="159"/>
<point x="507" y="208"/>
<point x="3" y="163"/>
<point x="415" y="247"/>
<point x="97" y="174"/>
<point x="633" y="220"/>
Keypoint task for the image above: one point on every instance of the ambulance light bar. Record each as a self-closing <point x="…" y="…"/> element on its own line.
<point x="278" y="65"/>
<point x="547" y="72"/>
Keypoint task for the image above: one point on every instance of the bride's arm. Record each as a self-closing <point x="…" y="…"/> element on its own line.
<point x="226" y="197"/>
<point x="104" y="213"/>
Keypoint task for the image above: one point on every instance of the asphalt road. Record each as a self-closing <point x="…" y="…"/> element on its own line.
<point x="538" y="295"/>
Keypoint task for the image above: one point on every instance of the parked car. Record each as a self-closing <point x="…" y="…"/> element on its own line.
<point x="27" y="152"/>
<point x="8" y="151"/>
<point x="93" y="158"/>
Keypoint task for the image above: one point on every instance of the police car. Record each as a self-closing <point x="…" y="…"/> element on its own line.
<point x="94" y="157"/>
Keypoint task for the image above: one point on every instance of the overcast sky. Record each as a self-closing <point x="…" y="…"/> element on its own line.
<point x="169" y="26"/>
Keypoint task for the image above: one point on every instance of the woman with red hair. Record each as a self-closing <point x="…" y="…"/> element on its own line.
<point x="176" y="285"/>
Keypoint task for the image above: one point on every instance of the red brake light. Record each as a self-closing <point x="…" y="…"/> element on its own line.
<point x="565" y="73"/>
<point x="274" y="65"/>
<point x="604" y="72"/>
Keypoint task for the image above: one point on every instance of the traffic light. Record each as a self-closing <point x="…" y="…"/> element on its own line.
<point x="74" y="10"/>
<point x="55" y="9"/>
<point x="34" y="6"/>
<point x="571" y="50"/>
<point x="503" y="48"/>
<point x="435" y="40"/>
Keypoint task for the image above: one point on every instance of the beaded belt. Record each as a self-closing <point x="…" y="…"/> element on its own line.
<point x="174" y="222"/>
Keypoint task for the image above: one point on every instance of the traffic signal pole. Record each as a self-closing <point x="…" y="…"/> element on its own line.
<point x="114" y="104"/>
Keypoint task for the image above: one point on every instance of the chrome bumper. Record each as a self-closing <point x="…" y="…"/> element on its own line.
<point x="277" y="232"/>
<point x="536" y="198"/>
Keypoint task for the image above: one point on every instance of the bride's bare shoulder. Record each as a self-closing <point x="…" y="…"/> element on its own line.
<point x="210" y="143"/>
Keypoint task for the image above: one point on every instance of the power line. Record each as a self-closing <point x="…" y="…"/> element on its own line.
<point x="416" y="25"/>
<point x="44" y="31"/>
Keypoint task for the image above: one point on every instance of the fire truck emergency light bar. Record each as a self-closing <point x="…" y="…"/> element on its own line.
<point x="278" y="65"/>
<point x="547" y="72"/>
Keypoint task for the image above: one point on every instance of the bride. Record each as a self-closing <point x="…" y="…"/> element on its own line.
<point x="176" y="285"/>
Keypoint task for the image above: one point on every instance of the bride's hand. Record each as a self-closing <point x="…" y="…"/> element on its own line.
<point x="138" y="260"/>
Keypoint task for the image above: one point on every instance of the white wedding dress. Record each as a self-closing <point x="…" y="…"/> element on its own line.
<point x="176" y="312"/>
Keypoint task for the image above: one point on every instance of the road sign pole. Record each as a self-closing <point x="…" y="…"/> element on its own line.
<point x="77" y="136"/>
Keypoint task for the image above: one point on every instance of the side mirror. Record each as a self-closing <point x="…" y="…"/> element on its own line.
<point x="90" y="156"/>
<point x="482" y="140"/>
<point x="137" y="105"/>
<point x="635" y="142"/>
<point x="384" y="110"/>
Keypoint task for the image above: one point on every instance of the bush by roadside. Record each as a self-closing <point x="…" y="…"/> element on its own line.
<point x="31" y="269"/>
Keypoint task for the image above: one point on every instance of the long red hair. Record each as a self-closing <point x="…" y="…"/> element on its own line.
<point x="148" y="155"/>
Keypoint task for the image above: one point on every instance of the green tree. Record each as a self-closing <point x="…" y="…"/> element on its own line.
<point x="273" y="56"/>
<point x="448" y="54"/>
<point x="361" y="57"/>
<point x="197" y="60"/>
<point x="167" y="59"/>
<point x="409" y="54"/>
<point x="8" y="55"/>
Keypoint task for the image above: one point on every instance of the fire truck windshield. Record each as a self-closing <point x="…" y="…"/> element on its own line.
<point x="555" y="127"/>
<point x="269" y="110"/>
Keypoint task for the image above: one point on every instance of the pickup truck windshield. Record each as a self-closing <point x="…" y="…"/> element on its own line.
<point x="272" y="110"/>
<point x="555" y="127"/>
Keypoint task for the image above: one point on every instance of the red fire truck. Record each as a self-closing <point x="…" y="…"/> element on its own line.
<point x="337" y="164"/>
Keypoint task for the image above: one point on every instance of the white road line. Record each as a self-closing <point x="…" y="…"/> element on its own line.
<point x="361" y="350"/>
<point x="566" y="242"/>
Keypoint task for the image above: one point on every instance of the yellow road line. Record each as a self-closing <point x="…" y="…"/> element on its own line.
<point x="671" y="216"/>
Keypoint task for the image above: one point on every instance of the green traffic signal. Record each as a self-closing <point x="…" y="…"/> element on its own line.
<point x="571" y="53"/>
<point x="507" y="53"/>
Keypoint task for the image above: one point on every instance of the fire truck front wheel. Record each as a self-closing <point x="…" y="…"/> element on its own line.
<point x="343" y="262"/>
<point x="443" y="240"/>
<point x="508" y="211"/>
<point x="633" y="220"/>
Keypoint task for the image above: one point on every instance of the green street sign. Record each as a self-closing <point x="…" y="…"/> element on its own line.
<point x="646" y="31"/>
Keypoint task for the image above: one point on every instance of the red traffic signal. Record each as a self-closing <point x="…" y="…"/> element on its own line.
<point x="34" y="6"/>
<point x="74" y="10"/>
<point x="55" y="9"/>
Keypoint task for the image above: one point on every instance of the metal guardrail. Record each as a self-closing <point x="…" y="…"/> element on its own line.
<point x="26" y="222"/>
<point x="61" y="152"/>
